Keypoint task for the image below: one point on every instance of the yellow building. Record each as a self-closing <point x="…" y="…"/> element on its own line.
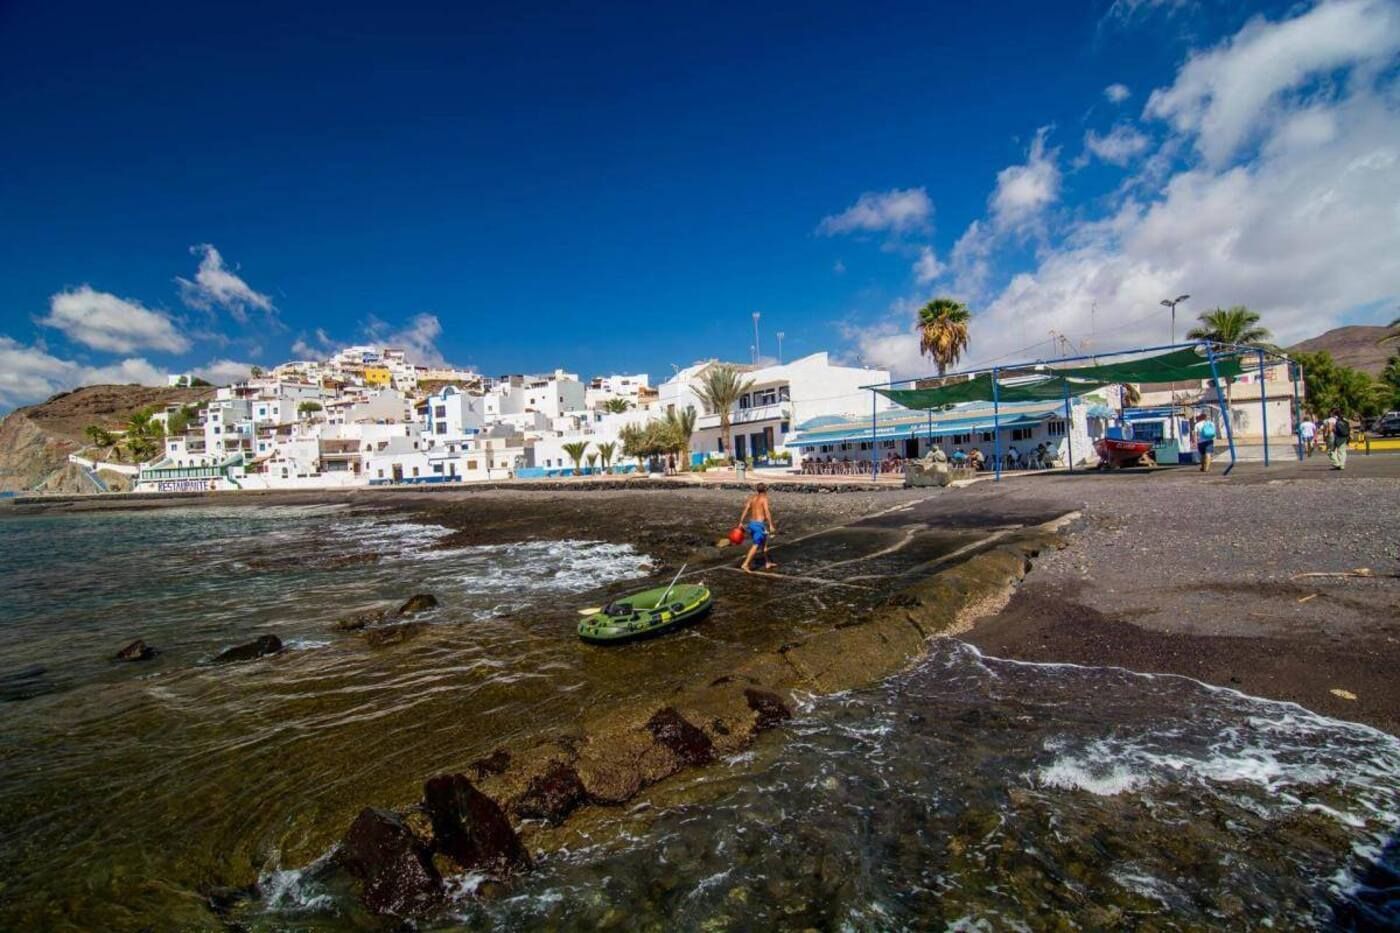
<point x="378" y="376"/>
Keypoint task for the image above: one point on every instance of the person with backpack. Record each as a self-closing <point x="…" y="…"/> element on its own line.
<point x="1205" y="439"/>
<point x="1338" y="439"/>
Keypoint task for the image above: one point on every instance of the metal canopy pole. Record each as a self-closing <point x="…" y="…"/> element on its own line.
<point x="996" y="424"/>
<point x="1224" y="406"/>
<point x="874" y="452"/>
<point x="1069" y="426"/>
<point x="1263" y="408"/>
<point x="1296" y="370"/>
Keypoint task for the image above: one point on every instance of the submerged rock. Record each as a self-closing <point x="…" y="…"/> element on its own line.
<point x="419" y="602"/>
<point x="263" y="646"/>
<point x="689" y="743"/>
<point x="551" y="796"/>
<point x="26" y="683"/>
<point x="495" y="763"/>
<point x="769" y="706"/>
<point x="470" y="828"/>
<point x="394" y="867"/>
<point x="353" y="623"/>
<point x="386" y="635"/>
<point x="138" y="650"/>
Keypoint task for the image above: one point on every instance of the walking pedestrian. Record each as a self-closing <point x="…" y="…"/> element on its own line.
<point x="1307" y="431"/>
<point x="1204" y="432"/>
<point x="1338" y="439"/>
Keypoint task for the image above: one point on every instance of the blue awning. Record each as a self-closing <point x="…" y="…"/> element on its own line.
<point x="916" y="429"/>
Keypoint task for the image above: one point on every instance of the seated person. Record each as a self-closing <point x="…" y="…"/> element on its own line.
<point x="1013" y="457"/>
<point x="935" y="455"/>
<point x="978" y="461"/>
<point x="959" y="456"/>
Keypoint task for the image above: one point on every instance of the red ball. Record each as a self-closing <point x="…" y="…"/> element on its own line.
<point x="736" y="535"/>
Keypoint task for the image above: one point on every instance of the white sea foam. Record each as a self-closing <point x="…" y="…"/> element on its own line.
<point x="1072" y="773"/>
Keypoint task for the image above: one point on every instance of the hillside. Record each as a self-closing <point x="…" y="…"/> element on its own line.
<point x="1354" y="346"/>
<point x="35" y="441"/>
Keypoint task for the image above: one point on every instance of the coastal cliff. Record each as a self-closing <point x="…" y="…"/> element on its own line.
<point x="35" y="441"/>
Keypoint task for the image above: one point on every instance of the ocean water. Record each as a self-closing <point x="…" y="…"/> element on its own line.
<point x="969" y="793"/>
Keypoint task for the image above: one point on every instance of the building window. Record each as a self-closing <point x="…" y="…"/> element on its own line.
<point x="784" y="394"/>
<point x="1055" y="429"/>
<point x="415" y="471"/>
<point x="380" y="473"/>
<point x="744" y="401"/>
<point x="1022" y="434"/>
<point x="961" y="439"/>
<point x="442" y="427"/>
<point x="440" y="411"/>
<point x="988" y="437"/>
<point x="437" y="467"/>
<point x="471" y="464"/>
<point x="783" y="427"/>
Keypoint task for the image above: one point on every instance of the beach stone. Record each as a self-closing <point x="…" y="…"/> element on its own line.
<point x="418" y="602"/>
<point x="471" y="828"/>
<point x="551" y="796"/>
<point x="263" y="646"/>
<point x="690" y="744"/>
<point x="138" y="650"/>
<point x="394" y="866"/>
<point x="770" y="708"/>
<point x="386" y="635"/>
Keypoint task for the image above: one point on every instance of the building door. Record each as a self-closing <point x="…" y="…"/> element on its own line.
<point x="740" y="442"/>
<point x="911" y="449"/>
<point x="768" y="439"/>
<point x="398" y="473"/>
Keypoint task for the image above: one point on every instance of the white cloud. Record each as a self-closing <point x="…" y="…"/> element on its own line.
<point x="899" y="210"/>
<point x="927" y="268"/>
<point x="105" y="322"/>
<point x="418" y="336"/>
<point x="1024" y="191"/>
<point x="318" y="346"/>
<point x="1117" y="93"/>
<point x="1228" y="95"/>
<point x="1306" y="231"/>
<point x="224" y="372"/>
<point x="1118" y="146"/>
<point x="214" y="286"/>
<point x="31" y="374"/>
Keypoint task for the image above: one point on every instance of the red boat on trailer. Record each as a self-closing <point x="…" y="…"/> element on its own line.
<point x="1116" y="453"/>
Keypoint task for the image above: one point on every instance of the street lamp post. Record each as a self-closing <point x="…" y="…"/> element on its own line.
<point x="780" y="348"/>
<point x="756" y="348"/>
<point x="1172" y="303"/>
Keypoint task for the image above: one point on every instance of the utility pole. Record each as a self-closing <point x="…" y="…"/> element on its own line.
<point x="756" y="348"/>
<point x="780" y="348"/>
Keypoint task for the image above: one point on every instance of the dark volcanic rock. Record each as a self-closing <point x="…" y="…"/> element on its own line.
<point x="419" y="602"/>
<point x="495" y="763"/>
<point x="551" y="796"/>
<point x="394" y="867"/>
<point x="348" y="560"/>
<point x="138" y="650"/>
<point x="769" y="706"/>
<point x="386" y="635"/>
<point x="689" y="742"/>
<point x="470" y="828"/>
<point x="263" y="646"/>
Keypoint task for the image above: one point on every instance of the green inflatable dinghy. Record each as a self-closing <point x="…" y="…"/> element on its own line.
<point x="642" y="615"/>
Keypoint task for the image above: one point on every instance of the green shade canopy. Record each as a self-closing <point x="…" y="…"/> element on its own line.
<point x="1053" y="382"/>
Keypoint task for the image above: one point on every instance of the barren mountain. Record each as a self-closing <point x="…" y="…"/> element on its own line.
<point x="35" y="441"/>
<point x="1357" y="346"/>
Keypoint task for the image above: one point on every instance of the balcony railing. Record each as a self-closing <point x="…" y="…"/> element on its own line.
<point x="778" y="410"/>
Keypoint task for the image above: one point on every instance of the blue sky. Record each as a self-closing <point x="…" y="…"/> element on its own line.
<point x="616" y="187"/>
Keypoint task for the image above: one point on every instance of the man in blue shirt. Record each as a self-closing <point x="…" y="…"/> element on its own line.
<point x="1204" y="429"/>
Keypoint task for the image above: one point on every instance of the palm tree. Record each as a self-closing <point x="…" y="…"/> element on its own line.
<point x="942" y="326"/>
<point x="143" y="435"/>
<point x="720" y="389"/>
<point x="575" y="451"/>
<point x="1131" y="395"/>
<point x="616" y="406"/>
<point x="682" y="427"/>
<point x="1236" y="325"/>
<point x="592" y="459"/>
<point x="606" y="450"/>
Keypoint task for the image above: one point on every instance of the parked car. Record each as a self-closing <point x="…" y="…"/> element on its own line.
<point x="1387" y="425"/>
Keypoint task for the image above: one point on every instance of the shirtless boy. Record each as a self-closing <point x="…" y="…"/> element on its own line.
<point x="757" y="520"/>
